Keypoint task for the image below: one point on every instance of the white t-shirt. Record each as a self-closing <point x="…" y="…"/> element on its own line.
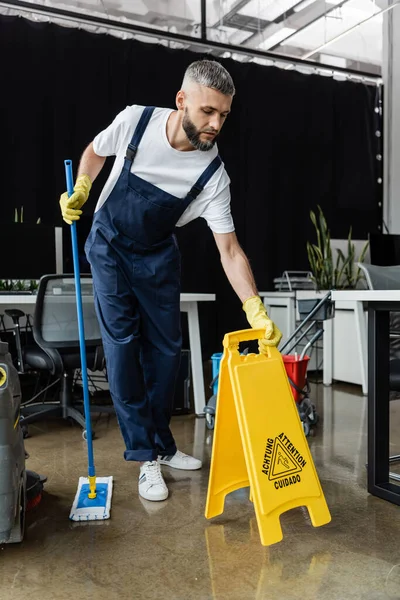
<point x="171" y="170"/>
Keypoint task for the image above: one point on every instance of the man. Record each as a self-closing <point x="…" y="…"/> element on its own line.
<point x="167" y="172"/>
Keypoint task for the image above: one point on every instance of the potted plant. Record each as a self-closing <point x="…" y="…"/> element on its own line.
<point x="18" y="285"/>
<point x="19" y="216"/>
<point x="340" y="274"/>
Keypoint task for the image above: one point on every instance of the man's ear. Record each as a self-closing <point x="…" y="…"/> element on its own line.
<point x="180" y="100"/>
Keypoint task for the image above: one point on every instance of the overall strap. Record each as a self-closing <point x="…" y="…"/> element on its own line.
<point x="205" y="178"/>
<point x="138" y="134"/>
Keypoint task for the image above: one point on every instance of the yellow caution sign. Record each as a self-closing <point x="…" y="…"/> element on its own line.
<point x="259" y="441"/>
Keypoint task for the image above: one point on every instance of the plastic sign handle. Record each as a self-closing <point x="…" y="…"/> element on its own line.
<point x="245" y="335"/>
<point x="232" y="340"/>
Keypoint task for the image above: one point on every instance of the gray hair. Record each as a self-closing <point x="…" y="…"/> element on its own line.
<point x="210" y="73"/>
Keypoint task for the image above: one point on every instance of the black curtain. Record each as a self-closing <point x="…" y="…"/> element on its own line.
<point x="291" y="142"/>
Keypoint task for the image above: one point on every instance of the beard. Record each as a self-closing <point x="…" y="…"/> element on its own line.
<point x="193" y="134"/>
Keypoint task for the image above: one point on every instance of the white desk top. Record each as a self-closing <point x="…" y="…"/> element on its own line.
<point x="343" y="295"/>
<point x="367" y="295"/>
<point x="274" y="294"/>
<point x="18" y="299"/>
<point x="197" y="297"/>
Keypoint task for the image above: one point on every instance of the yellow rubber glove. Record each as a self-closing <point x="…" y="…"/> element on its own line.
<point x="258" y="318"/>
<point x="70" y="207"/>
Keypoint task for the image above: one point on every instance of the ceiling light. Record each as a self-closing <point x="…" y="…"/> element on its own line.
<point x="303" y="5"/>
<point x="276" y="38"/>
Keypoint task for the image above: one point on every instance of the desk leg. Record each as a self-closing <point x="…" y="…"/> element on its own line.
<point x="197" y="363"/>
<point x="378" y="406"/>
<point x="328" y="352"/>
<point x="361" y="332"/>
<point x="199" y="435"/>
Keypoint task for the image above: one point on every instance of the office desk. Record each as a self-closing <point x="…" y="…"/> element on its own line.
<point x="355" y="300"/>
<point x="189" y="305"/>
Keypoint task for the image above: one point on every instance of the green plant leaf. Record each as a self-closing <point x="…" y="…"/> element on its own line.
<point x="314" y="261"/>
<point x="314" y="222"/>
<point x="320" y="254"/>
<point x="350" y="266"/>
<point x="324" y="232"/>
<point x="342" y="277"/>
<point x="313" y="219"/>
<point x="363" y="252"/>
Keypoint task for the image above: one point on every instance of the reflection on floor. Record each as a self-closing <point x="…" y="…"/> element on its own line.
<point x="169" y="551"/>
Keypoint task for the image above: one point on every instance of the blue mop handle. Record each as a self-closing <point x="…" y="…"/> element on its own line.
<point x="81" y="329"/>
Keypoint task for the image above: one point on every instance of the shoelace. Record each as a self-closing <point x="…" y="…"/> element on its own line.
<point x="153" y="473"/>
<point x="181" y="455"/>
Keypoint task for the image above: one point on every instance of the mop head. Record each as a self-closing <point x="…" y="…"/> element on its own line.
<point x="85" y="509"/>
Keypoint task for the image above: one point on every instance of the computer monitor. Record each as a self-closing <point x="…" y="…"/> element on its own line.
<point x="29" y="251"/>
<point x="384" y="249"/>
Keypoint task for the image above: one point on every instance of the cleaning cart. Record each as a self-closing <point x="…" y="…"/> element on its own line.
<point x="312" y="314"/>
<point x="13" y="480"/>
<point x="211" y="406"/>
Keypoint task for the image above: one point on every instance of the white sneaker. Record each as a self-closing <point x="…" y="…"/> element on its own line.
<point x="151" y="483"/>
<point x="179" y="460"/>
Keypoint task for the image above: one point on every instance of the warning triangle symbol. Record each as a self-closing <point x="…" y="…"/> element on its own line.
<point x="282" y="463"/>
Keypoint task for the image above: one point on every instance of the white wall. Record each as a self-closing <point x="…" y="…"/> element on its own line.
<point x="391" y="156"/>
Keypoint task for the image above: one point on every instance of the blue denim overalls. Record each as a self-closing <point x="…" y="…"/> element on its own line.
<point x="135" y="264"/>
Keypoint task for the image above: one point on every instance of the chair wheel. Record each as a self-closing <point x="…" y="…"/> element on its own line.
<point x="210" y="421"/>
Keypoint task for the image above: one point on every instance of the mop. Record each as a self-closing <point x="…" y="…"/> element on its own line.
<point x="93" y="497"/>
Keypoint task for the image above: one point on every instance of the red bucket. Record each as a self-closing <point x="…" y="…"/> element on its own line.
<point x="296" y="368"/>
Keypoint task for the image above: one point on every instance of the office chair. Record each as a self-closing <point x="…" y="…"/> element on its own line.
<point x="388" y="278"/>
<point x="55" y="331"/>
